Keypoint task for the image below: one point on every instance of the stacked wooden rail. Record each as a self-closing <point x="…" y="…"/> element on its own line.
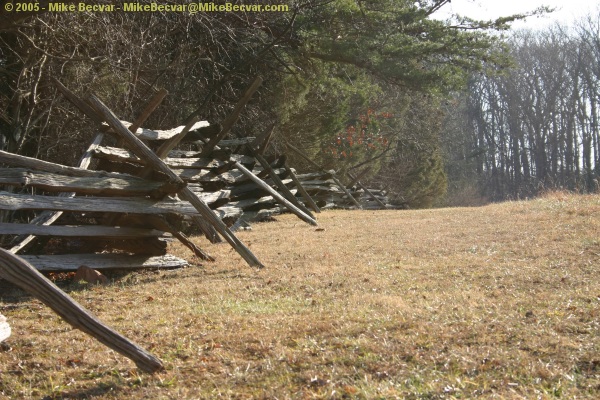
<point x="230" y="184"/>
<point x="127" y="216"/>
<point x="326" y="192"/>
<point x="122" y="212"/>
<point x="129" y="204"/>
<point x="78" y="227"/>
<point x="131" y="192"/>
<point x="255" y="204"/>
<point x="233" y="192"/>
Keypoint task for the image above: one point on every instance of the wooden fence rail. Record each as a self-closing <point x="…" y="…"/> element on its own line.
<point x="22" y="274"/>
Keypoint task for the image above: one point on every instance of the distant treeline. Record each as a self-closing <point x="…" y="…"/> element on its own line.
<point x="354" y="84"/>
<point x="535" y="126"/>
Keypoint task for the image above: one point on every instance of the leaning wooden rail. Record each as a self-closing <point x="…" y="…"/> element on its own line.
<point x="335" y="179"/>
<point x="19" y="272"/>
<point x="144" y="153"/>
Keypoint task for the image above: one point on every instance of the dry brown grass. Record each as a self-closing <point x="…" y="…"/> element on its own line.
<point x="501" y="301"/>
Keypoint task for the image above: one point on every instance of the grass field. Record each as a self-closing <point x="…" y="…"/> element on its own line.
<point x="501" y="301"/>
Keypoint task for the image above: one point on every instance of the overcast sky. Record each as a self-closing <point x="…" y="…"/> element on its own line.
<point x="566" y="10"/>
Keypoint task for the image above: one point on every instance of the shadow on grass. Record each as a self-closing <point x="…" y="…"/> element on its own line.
<point x="10" y="293"/>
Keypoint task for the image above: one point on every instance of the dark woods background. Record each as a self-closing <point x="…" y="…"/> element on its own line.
<point x="455" y="112"/>
<point x="535" y="126"/>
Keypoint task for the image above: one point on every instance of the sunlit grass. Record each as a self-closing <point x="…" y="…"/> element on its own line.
<point x="501" y="301"/>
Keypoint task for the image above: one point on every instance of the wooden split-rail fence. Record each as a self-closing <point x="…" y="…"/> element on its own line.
<point x="132" y="191"/>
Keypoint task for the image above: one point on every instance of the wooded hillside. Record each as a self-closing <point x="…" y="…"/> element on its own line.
<point x="352" y="84"/>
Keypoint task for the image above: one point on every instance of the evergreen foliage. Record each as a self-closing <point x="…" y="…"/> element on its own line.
<point x="327" y="64"/>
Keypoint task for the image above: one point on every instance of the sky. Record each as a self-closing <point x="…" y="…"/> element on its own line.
<point x="566" y="10"/>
